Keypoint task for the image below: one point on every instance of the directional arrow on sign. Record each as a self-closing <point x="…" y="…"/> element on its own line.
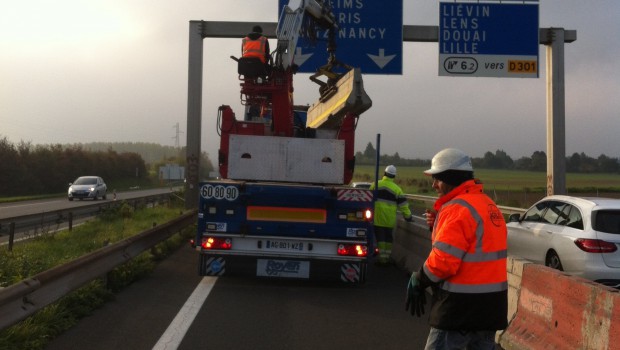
<point x="301" y="58"/>
<point x="381" y="60"/>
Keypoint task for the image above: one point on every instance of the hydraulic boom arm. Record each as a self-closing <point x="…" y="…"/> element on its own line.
<point x="291" y="23"/>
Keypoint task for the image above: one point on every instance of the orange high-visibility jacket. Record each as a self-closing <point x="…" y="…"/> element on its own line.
<point x="254" y="48"/>
<point x="467" y="263"/>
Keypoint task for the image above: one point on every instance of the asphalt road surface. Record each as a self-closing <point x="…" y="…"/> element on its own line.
<point x="12" y="209"/>
<point x="176" y="308"/>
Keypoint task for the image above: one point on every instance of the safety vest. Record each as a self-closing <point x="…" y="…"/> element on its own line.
<point x="390" y="199"/>
<point x="254" y="48"/>
<point x="469" y="243"/>
<point x="467" y="262"/>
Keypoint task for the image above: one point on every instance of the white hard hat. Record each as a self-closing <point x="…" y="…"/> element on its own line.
<point x="449" y="159"/>
<point x="391" y="170"/>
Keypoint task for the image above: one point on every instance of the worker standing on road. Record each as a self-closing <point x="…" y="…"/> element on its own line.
<point x="390" y="201"/>
<point x="466" y="267"/>
<point x="256" y="45"/>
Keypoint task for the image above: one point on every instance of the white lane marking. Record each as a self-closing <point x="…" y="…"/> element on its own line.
<point x="172" y="337"/>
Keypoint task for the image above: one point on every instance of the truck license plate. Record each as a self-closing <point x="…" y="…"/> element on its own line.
<point x="284" y="245"/>
<point x="283" y="268"/>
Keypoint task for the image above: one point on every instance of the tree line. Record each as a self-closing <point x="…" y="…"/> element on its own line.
<point x="576" y="163"/>
<point x="154" y="154"/>
<point x="28" y="169"/>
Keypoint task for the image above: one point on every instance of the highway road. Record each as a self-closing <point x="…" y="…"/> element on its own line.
<point x="13" y="209"/>
<point x="50" y="215"/>
<point x="175" y="308"/>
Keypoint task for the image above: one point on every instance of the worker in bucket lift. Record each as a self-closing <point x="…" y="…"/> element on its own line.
<point x="255" y="44"/>
<point x="390" y="201"/>
<point x="466" y="268"/>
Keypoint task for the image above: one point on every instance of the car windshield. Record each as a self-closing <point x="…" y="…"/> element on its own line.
<point x="607" y="221"/>
<point x="535" y="213"/>
<point x="86" y="181"/>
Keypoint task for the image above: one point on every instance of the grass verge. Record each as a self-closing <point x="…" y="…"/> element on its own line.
<point x="507" y="187"/>
<point x="44" y="252"/>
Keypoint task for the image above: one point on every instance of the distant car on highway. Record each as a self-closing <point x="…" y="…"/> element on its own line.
<point x="580" y="236"/>
<point x="363" y="185"/>
<point x="87" y="187"/>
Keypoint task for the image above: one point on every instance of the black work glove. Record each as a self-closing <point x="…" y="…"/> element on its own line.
<point x="416" y="297"/>
<point x="409" y="218"/>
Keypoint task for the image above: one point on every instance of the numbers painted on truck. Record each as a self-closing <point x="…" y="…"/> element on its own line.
<point x="219" y="192"/>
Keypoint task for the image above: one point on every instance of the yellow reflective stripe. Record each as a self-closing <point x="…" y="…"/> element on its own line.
<point x="259" y="213"/>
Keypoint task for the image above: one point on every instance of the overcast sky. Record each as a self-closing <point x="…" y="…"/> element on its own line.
<point x="77" y="71"/>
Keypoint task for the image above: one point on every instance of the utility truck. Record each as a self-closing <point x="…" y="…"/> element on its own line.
<point x="282" y="207"/>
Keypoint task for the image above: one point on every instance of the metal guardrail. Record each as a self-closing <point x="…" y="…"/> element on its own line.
<point x="22" y="299"/>
<point x="41" y="223"/>
<point x="430" y="200"/>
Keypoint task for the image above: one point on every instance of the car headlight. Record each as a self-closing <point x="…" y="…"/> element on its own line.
<point x="91" y="189"/>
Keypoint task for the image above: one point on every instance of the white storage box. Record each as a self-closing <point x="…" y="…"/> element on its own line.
<point x="289" y="159"/>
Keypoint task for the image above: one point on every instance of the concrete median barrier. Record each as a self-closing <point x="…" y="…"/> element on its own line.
<point x="558" y="311"/>
<point x="412" y="243"/>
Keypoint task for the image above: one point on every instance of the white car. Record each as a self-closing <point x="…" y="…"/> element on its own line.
<point x="580" y="236"/>
<point x="87" y="187"/>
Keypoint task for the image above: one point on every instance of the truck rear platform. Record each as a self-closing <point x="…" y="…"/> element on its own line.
<point x="284" y="230"/>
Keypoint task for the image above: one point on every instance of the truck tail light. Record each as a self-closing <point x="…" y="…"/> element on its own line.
<point x="216" y="243"/>
<point x="349" y="249"/>
<point x="361" y="215"/>
<point x="595" y="245"/>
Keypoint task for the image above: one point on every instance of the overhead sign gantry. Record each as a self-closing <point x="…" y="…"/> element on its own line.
<point x="553" y="38"/>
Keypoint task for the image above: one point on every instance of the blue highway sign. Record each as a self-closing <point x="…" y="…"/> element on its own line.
<point x="370" y="36"/>
<point x="488" y="39"/>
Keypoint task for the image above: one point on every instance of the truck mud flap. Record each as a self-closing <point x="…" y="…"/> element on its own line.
<point x="284" y="268"/>
<point x="212" y="266"/>
<point x="353" y="273"/>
